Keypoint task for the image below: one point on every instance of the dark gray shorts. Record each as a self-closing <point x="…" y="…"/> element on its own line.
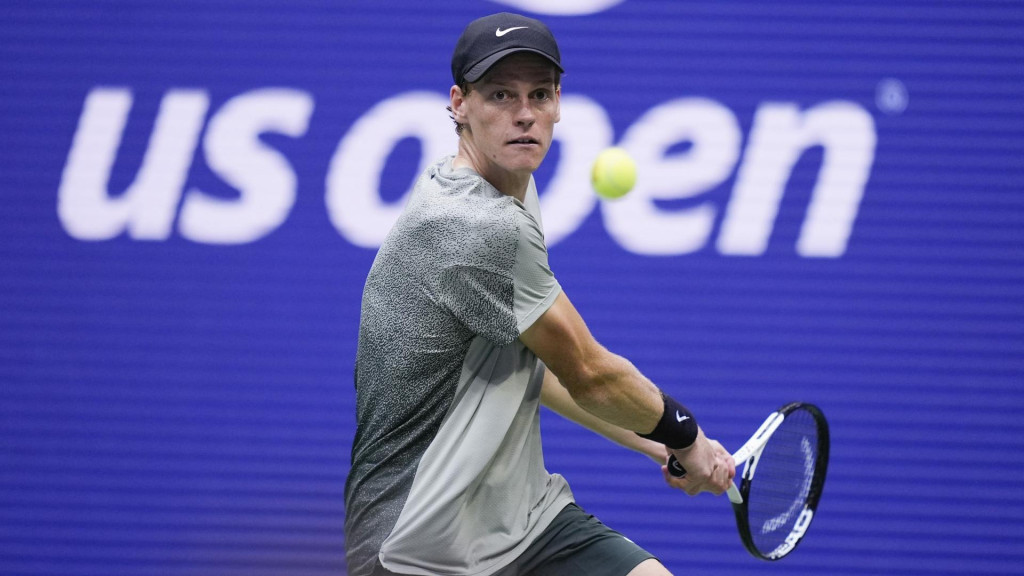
<point x="575" y="543"/>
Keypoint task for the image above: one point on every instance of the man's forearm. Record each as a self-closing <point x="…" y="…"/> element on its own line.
<point x="558" y="399"/>
<point x="616" y="392"/>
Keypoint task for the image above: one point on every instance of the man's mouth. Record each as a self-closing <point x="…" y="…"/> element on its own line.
<point x="524" y="140"/>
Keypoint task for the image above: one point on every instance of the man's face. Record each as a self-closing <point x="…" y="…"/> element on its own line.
<point x="511" y="114"/>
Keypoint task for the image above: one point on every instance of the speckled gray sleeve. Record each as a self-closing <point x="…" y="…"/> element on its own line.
<point x="482" y="300"/>
<point x="500" y="305"/>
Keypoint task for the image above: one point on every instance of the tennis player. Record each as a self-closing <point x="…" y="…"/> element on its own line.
<point x="465" y="332"/>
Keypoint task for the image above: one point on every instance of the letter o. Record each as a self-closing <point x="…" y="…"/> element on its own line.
<point x="354" y="204"/>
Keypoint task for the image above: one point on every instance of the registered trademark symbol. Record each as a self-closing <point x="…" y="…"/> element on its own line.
<point x="891" y="96"/>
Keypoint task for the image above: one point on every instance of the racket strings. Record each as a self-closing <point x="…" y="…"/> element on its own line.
<point x="785" y="475"/>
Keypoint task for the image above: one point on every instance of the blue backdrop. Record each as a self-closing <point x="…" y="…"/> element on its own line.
<point x="829" y="209"/>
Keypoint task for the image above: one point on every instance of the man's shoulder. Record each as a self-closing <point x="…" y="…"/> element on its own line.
<point x="456" y="220"/>
<point x="461" y="206"/>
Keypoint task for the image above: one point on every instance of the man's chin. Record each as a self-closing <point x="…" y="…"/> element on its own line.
<point x="528" y="162"/>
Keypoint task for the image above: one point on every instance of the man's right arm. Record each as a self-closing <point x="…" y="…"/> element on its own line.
<point x="611" y="388"/>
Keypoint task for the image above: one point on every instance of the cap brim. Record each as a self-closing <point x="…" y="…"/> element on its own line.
<point x="481" y="67"/>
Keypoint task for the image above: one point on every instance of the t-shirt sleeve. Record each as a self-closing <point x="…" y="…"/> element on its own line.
<point x="535" y="286"/>
<point x="482" y="299"/>
<point x="503" y="284"/>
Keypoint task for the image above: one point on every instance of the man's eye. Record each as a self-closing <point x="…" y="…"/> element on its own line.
<point x="501" y="95"/>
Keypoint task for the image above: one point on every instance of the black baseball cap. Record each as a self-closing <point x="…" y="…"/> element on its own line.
<point x="489" y="39"/>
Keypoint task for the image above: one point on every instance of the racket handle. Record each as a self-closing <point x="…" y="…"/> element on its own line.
<point x="676" y="469"/>
<point x="734" y="494"/>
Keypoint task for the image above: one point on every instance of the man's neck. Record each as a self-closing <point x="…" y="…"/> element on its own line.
<point x="508" y="183"/>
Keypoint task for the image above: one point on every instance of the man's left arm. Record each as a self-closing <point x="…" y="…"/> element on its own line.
<point x="557" y="398"/>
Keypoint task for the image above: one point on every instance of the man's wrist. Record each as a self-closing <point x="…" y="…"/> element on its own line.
<point x="677" y="427"/>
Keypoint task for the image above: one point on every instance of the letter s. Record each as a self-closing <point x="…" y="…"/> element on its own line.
<point x="262" y="175"/>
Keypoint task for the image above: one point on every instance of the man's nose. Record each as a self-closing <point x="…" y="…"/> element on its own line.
<point x="525" y="114"/>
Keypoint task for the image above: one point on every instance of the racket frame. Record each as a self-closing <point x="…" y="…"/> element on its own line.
<point x="750" y="454"/>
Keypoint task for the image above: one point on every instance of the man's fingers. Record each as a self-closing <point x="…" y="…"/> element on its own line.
<point x="692" y="488"/>
<point x="710" y="469"/>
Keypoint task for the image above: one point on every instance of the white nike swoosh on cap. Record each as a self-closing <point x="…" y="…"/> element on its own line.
<point x="499" y="32"/>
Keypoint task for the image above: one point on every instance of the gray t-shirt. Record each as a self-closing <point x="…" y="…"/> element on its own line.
<point x="447" y="472"/>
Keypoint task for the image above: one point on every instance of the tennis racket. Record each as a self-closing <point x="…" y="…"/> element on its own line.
<point x="789" y="454"/>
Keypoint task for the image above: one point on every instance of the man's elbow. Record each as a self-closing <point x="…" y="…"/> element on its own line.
<point x="589" y="386"/>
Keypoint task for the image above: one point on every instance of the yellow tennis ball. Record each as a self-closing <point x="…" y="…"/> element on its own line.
<point x="613" y="174"/>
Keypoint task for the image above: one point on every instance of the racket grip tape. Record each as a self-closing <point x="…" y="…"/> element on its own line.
<point x="675" y="468"/>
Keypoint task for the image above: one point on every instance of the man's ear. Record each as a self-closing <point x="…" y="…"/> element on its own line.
<point x="457" y="100"/>
<point x="558" y="103"/>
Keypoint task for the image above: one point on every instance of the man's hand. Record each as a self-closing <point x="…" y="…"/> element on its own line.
<point x="709" y="467"/>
